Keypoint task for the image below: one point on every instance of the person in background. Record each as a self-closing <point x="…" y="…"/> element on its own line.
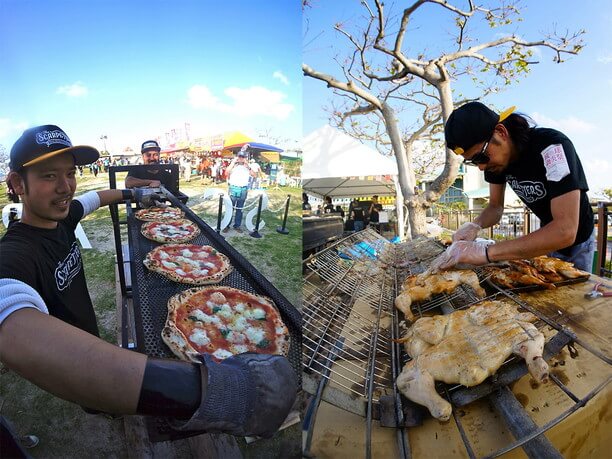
<point x="256" y="168"/>
<point x="238" y="173"/>
<point x="543" y="169"/>
<point x="48" y="331"/>
<point x="340" y="211"/>
<point x="329" y="207"/>
<point x="357" y="215"/>
<point x="305" y="204"/>
<point x="152" y="178"/>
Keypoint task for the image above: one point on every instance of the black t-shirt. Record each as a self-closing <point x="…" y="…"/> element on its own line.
<point x="49" y="261"/>
<point x="548" y="167"/>
<point x="162" y="175"/>
<point x="358" y="214"/>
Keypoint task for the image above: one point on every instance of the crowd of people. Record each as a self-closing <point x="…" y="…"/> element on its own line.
<point x="207" y="167"/>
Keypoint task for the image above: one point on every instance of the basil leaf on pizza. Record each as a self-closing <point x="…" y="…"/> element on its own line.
<point x="171" y="231"/>
<point x="188" y="263"/>
<point x="223" y="321"/>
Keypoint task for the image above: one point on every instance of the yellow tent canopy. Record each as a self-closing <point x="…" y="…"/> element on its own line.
<point x="234" y="137"/>
<point x="271" y="156"/>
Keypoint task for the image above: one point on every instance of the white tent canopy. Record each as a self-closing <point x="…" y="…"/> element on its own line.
<point x="347" y="187"/>
<point x="330" y="157"/>
<point x="328" y="152"/>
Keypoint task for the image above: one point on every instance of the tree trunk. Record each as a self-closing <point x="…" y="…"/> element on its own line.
<point x="416" y="212"/>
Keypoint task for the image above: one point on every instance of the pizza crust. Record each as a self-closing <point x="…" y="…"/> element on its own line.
<point x="178" y="343"/>
<point x="147" y="230"/>
<point x="154" y="264"/>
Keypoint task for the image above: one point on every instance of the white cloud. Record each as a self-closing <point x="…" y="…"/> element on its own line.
<point x="77" y="89"/>
<point x="570" y="125"/>
<point x="10" y="128"/>
<point x="281" y="76"/>
<point x="605" y="59"/>
<point x="245" y="102"/>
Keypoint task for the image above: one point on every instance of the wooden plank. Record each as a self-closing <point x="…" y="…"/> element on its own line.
<point x="214" y="446"/>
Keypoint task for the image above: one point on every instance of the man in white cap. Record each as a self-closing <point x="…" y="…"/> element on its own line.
<point x="239" y="171"/>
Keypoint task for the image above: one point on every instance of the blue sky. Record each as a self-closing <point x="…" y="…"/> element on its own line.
<point x="574" y="97"/>
<point x="133" y="70"/>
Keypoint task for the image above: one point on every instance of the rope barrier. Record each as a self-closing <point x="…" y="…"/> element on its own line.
<point x="254" y="203"/>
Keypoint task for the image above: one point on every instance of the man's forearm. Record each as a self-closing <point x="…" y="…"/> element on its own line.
<point x="110" y="197"/>
<point x="71" y="363"/>
<point x="547" y="239"/>
<point x="489" y="216"/>
<point x="133" y="182"/>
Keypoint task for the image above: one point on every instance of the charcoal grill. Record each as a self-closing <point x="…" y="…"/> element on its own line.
<point x="350" y="360"/>
<point x="150" y="292"/>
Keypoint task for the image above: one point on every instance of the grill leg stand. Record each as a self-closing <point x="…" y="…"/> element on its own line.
<point x="255" y="232"/>
<point x="219" y="213"/>
<point x="283" y="229"/>
<point x="520" y="424"/>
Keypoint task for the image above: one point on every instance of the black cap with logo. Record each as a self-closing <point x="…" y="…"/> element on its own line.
<point x="42" y="142"/>
<point x="149" y="145"/>
<point x="470" y="124"/>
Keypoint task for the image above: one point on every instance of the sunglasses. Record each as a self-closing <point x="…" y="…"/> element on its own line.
<point x="479" y="158"/>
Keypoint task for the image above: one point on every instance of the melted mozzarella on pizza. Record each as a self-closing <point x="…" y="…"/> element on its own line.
<point x="222" y="354"/>
<point x="199" y="337"/>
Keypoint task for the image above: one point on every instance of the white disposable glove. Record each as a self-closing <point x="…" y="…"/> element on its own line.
<point x="467" y="232"/>
<point x="461" y="252"/>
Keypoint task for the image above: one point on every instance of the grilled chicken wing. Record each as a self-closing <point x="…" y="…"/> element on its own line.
<point x="554" y="265"/>
<point x="424" y="286"/>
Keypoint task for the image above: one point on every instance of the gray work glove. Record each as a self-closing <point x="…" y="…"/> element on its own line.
<point x="247" y="394"/>
<point x="146" y="197"/>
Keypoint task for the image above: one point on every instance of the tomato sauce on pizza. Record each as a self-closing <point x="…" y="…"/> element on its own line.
<point x="159" y="214"/>
<point x="188" y="263"/>
<point x="171" y="231"/>
<point x="223" y="321"/>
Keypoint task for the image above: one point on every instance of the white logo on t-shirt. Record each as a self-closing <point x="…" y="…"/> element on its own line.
<point x="555" y="162"/>
<point x="66" y="270"/>
<point x="527" y="190"/>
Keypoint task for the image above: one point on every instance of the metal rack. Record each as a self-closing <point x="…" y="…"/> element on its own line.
<point x="351" y="361"/>
<point x="150" y="291"/>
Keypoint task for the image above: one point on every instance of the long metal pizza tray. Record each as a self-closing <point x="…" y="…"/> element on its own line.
<point x="151" y="292"/>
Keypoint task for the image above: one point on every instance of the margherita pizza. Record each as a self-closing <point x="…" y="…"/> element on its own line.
<point x="159" y="214"/>
<point x="223" y="321"/>
<point x="172" y="231"/>
<point x="188" y="263"/>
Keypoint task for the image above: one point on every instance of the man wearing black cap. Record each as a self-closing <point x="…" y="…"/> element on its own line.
<point x="41" y="250"/>
<point x="543" y="169"/>
<point x="47" y="325"/>
<point x="148" y="177"/>
<point x="239" y="171"/>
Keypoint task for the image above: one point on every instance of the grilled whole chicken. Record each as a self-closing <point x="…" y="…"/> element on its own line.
<point x="466" y="347"/>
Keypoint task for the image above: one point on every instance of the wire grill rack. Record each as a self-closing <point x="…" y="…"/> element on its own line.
<point x="151" y="292"/>
<point x="351" y="361"/>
